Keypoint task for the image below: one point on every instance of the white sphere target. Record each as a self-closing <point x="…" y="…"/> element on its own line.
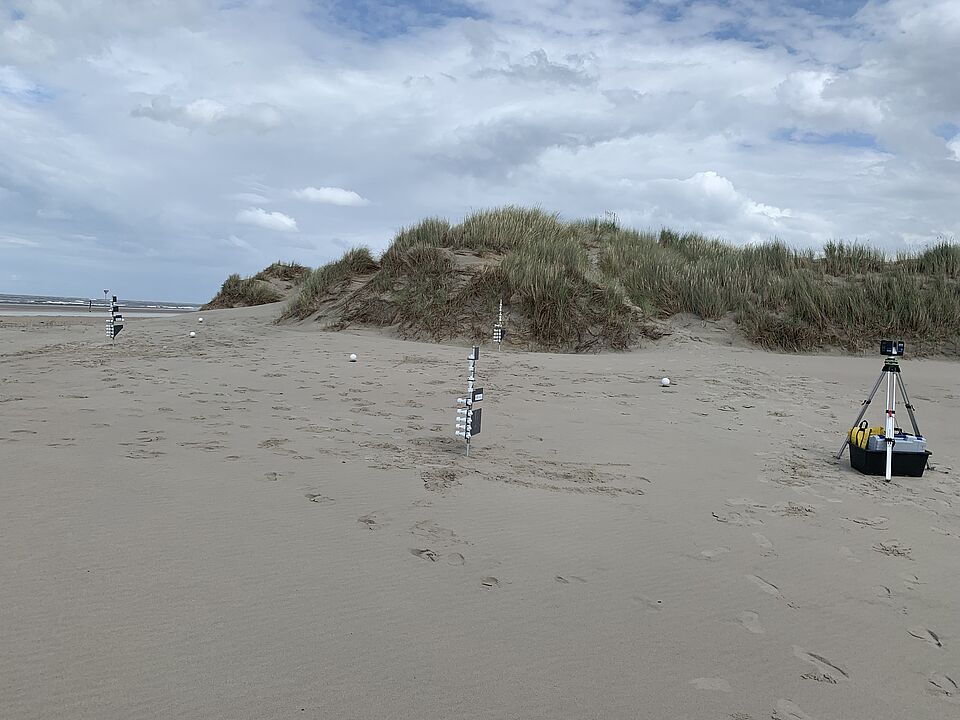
<point x="353" y="357"/>
<point x="665" y="382"/>
<point x="199" y="320"/>
<point x="192" y="334"/>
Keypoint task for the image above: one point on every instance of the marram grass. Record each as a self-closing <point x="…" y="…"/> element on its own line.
<point x="591" y="284"/>
<point x="257" y="290"/>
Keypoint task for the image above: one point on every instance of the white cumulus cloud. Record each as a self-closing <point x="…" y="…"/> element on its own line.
<point x="267" y="220"/>
<point x="954" y="147"/>
<point x="331" y="196"/>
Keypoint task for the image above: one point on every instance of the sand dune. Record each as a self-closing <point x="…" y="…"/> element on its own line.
<point x="246" y="525"/>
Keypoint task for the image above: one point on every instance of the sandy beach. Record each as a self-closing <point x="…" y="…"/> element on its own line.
<point x="246" y="525"/>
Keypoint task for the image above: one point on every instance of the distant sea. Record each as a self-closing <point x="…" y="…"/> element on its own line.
<point x="52" y="305"/>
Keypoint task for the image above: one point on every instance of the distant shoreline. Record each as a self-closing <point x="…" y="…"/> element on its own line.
<point x="57" y="310"/>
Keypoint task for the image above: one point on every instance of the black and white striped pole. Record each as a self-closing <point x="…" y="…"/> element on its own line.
<point x="498" y="328"/>
<point x="115" y="321"/>
<point x="468" y="417"/>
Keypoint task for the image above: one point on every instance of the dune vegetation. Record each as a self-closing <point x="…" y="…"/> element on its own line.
<point x="592" y="284"/>
<point x="272" y="284"/>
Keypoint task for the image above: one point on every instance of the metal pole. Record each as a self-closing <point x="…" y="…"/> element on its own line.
<point x="890" y="427"/>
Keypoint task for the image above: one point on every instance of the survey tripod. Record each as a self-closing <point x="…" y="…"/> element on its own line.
<point x="894" y="378"/>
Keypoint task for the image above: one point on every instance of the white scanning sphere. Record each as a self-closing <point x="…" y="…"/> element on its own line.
<point x="665" y="382"/>
<point x="353" y="357"/>
<point x="200" y="320"/>
<point x="192" y="334"/>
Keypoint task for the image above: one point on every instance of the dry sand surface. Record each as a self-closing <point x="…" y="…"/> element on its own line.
<point x="246" y="525"/>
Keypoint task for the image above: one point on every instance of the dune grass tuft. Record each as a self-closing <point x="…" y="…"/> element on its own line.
<point x="264" y="287"/>
<point x="286" y="271"/>
<point x="325" y="279"/>
<point x="243" y="292"/>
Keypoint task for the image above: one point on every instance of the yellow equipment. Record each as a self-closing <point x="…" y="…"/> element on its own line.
<point x="861" y="434"/>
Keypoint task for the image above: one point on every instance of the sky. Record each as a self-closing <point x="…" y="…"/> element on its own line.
<point x="156" y="147"/>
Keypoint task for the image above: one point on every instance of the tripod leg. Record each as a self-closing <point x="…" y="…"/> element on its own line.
<point x="863" y="411"/>
<point x="908" y="405"/>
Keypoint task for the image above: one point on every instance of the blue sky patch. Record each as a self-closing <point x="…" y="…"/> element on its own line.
<point x="847" y="138"/>
<point x="382" y="20"/>
<point x="948" y="131"/>
<point x="740" y="33"/>
<point x="840" y="9"/>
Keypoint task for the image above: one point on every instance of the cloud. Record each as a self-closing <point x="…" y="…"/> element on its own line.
<point x="267" y="220"/>
<point x="250" y="198"/>
<point x="52" y="214"/>
<point x="211" y="115"/>
<point x="15" y="84"/>
<point x="536" y="67"/>
<point x="19" y="242"/>
<point x="709" y="202"/>
<point x="331" y="196"/>
<point x="818" y="95"/>
<point x="954" y="147"/>
<point x="236" y="242"/>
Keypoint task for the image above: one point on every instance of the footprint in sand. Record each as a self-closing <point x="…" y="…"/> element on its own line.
<point x="944" y="686"/>
<point x="144" y="454"/>
<point x="272" y="476"/>
<point x="922" y="633"/>
<point x="425" y="554"/>
<point x="736" y="518"/>
<point x="430" y="529"/>
<point x="894" y="548"/>
<point x="272" y="442"/>
<point x="711" y="684"/>
<point x="765" y="545"/>
<point x="490" y="582"/>
<point x="875" y="523"/>
<point x="751" y="621"/>
<point x="455" y="559"/>
<point x="827" y="671"/>
<point x="317" y="498"/>
<point x="792" y="509"/>
<point x="714" y="554"/>
<point x="373" y="521"/>
<point x="786" y="710"/>
<point x="911" y="581"/>
<point x="767" y="587"/>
